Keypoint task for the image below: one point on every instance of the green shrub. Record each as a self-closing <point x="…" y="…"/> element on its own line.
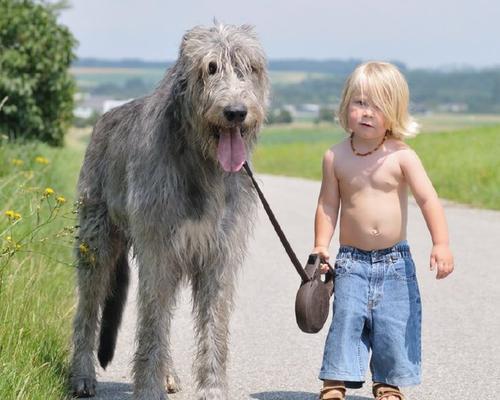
<point x="35" y="55"/>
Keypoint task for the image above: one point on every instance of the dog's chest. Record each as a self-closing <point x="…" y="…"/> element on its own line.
<point x="210" y="232"/>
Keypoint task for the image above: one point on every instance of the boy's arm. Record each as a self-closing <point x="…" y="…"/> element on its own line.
<point x="432" y="210"/>
<point x="327" y="209"/>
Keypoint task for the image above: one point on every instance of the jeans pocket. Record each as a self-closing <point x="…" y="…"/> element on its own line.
<point x="343" y="266"/>
<point x="403" y="269"/>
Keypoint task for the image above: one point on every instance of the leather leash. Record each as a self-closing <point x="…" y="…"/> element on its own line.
<point x="293" y="257"/>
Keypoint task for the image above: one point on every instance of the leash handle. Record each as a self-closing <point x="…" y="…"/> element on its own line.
<point x="291" y="254"/>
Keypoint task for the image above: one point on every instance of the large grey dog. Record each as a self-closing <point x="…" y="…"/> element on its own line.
<point x="162" y="175"/>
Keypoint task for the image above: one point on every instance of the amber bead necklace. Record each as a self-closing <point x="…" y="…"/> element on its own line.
<point x="357" y="153"/>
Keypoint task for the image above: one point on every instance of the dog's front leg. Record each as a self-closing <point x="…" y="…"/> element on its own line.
<point x="213" y="301"/>
<point x="157" y="292"/>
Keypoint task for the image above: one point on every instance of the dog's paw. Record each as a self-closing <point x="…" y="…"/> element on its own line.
<point x="83" y="387"/>
<point x="145" y="394"/>
<point x="172" y="384"/>
<point x="212" y="394"/>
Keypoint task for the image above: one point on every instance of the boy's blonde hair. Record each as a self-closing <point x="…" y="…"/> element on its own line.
<point x="387" y="89"/>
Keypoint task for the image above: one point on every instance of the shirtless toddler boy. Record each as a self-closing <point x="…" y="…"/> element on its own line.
<point x="367" y="176"/>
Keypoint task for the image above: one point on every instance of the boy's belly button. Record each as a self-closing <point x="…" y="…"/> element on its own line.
<point x="375" y="232"/>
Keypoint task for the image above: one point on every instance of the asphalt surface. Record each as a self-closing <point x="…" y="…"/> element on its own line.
<point x="271" y="359"/>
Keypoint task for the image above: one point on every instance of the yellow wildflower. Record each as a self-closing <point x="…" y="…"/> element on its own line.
<point x="61" y="200"/>
<point x="41" y="160"/>
<point x="48" y="192"/>
<point x="12" y="215"/>
<point x="83" y="248"/>
<point x="9" y="238"/>
<point x="17" y="162"/>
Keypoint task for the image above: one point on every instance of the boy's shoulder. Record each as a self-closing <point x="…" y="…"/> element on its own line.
<point x="400" y="148"/>
<point x="397" y="144"/>
<point x="340" y="148"/>
<point x="336" y="151"/>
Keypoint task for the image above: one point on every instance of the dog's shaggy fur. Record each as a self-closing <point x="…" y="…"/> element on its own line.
<point x="155" y="179"/>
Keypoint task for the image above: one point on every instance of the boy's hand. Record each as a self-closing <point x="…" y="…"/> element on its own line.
<point x="323" y="253"/>
<point x="442" y="260"/>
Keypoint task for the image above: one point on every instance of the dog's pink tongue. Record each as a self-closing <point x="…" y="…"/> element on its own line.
<point x="231" y="151"/>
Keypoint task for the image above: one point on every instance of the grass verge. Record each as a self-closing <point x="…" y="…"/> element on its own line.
<point x="36" y="274"/>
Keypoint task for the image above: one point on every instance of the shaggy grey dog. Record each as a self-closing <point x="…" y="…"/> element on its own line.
<point x="162" y="175"/>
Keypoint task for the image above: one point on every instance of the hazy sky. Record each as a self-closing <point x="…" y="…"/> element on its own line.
<point x="420" y="33"/>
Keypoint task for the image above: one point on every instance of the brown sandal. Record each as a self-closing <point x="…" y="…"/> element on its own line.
<point x="332" y="393"/>
<point x="382" y="391"/>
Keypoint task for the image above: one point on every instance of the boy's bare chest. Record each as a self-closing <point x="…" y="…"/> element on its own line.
<point x="380" y="174"/>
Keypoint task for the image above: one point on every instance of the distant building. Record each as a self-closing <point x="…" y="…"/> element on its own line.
<point x="311" y="108"/>
<point x="110" y="104"/>
<point x="88" y="104"/>
<point x="83" y="112"/>
<point x="307" y="111"/>
<point x="453" y="107"/>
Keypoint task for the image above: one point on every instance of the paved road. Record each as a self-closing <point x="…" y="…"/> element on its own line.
<point x="272" y="360"/>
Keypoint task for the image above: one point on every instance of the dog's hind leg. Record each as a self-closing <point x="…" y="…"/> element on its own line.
<point x="158" y="284"/>
<point x="172" y="381"/>
<point x="98" y="250"/>
<point x="212" y="303"/>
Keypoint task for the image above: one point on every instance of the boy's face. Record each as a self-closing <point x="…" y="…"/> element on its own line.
<point x="365" y="119"/>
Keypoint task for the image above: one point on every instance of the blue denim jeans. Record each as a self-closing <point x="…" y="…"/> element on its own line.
<point x="376" y="308"/>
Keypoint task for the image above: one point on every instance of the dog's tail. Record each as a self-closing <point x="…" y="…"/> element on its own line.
<point x="113" y="310"/>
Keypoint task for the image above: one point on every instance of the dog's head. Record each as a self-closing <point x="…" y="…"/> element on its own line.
<point x="225" y="90"/>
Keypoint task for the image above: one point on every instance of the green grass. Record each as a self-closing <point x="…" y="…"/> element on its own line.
<point x="455" y="122"/>
<point x="36" y="279"/>
<point x="91" y="77"/>
<point x="464" y="165"/>
<point x="295" y="150"/>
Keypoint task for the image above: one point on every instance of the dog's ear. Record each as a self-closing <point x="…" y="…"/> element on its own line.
<point x="179" y="85"/>
<point x="197" y="31"/>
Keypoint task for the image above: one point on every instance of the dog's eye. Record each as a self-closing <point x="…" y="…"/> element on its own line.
<point x="254" y="69"/>
<point x="212" y="68"/>
<point x="239" y="73"/>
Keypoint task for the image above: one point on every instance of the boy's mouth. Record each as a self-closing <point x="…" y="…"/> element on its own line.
<point x="366" y="124"/>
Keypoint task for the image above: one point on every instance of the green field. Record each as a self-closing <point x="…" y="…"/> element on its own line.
<point x="433" y="122"/>
<point x="464" y="165"/>
<point x="90" y="77"/>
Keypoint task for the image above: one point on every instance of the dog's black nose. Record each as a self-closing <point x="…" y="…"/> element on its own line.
<point x="235" y="113"/>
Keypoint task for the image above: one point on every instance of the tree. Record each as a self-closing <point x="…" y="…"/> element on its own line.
<point x="35" y="55"/>
<point x="280" y="116"/>
<point x="326" y="114"/>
